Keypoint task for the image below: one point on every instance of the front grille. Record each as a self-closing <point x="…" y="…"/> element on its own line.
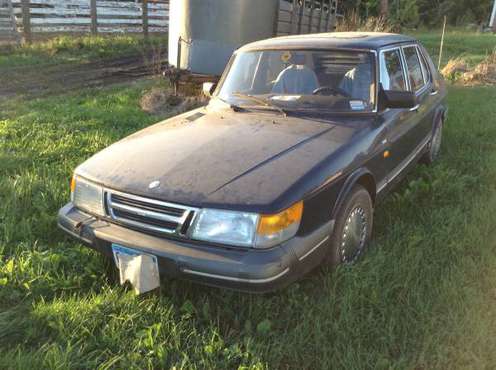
<point x="149" y="215"/>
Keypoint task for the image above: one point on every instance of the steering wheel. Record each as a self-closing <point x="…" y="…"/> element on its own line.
<point x="329" y="90"/>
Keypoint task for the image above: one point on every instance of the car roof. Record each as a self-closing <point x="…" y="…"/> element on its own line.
<point x="345" y="40"/>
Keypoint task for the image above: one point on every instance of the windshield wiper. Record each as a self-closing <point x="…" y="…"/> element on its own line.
<point x="264" y="102"/>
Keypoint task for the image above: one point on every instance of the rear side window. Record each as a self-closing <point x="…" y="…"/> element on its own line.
<point x="425" y="66"/>
<point x="414" y="68"/>
<point x="392" y="77"/>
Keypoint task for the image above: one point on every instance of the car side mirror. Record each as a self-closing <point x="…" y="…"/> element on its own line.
<point x="398" y="99"/>
<point x="208" y="88"/>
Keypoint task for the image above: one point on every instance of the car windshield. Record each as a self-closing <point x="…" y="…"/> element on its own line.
<point x="335" y="80"/>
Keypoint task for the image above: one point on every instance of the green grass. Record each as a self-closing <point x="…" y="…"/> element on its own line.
<point x="472" y="46"/>
<point x="422" y="297"/>
<point x="70" y="49"/>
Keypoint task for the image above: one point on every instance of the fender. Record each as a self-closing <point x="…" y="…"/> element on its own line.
<point x="350" y="182"/>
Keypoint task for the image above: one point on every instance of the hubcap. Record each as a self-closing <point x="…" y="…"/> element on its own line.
<point x="354" y="235"/>
<point x="436" y="141"/>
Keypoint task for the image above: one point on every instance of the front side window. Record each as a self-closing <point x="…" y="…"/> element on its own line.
<point x="414" y="68"/>
<point x="392" y="77"/>
<point x="336" y="80"/>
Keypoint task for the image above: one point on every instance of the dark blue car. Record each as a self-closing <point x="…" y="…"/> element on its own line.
<point x="279" y="173"/>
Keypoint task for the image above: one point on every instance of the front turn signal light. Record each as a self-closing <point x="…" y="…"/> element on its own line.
<point x="270" y="224"/>
<point x="277" y="228"/>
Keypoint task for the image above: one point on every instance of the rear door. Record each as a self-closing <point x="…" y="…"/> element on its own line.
<point x="420" y="82"/>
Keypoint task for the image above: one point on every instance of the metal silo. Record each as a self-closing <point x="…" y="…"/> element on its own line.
<point x="204" y="33"/>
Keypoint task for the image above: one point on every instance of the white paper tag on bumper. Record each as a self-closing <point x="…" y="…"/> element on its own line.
<point x="140" y="270"/>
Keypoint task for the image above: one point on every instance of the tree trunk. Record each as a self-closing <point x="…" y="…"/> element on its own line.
<point x="384" y="8"/>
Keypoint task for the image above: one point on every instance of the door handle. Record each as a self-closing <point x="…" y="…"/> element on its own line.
<point x="415" y="108"/>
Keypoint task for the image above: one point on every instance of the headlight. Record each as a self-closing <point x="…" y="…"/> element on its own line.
<point x="226" y="227"/>
<point x="247" y="229"/>
<point x="87" y="196"/>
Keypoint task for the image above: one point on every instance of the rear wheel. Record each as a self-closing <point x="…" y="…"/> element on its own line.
<point x="352" y="228"/>
<point x="435" y="144"/>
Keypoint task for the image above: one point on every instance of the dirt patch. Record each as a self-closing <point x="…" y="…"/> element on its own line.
<point x="60" y="78"/>
<point x="453" y="68"/>
<point x="483" y="73"/>
<point x="159" y="101"/>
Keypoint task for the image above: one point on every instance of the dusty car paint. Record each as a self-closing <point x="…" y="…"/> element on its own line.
<point x="258" y="159"/>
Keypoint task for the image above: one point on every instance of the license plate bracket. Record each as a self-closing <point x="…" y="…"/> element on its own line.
<point x="136" y="267"/>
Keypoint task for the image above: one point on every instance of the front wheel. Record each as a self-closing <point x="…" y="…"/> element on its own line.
<point x="352" y="228"/>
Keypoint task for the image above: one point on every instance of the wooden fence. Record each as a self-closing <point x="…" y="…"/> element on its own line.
<point x="29" y="17"/>
<point x="306" y="16"/>
<point x="8" y="27"/>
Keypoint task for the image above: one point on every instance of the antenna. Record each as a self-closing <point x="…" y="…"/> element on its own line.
<point x="442" y="44"/>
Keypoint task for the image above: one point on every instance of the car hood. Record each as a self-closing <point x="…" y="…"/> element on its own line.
<point x="218" y="158"/>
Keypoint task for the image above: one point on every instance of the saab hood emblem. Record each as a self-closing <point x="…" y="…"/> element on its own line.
<point x="154" y="184"/>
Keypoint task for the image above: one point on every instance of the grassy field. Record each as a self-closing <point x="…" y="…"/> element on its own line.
<point x="70" y="49"/>
<point x="422" y="298"/>
<point x="471" y="46"/>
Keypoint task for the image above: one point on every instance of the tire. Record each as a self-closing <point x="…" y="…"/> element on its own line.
<point x="435" y="143"/>
<point x="357" y="213"/>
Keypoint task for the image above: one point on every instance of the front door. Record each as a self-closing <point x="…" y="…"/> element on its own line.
<point x="401" y="124"/>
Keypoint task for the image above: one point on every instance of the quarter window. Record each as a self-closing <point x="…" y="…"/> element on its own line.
<point x="414" y="68"/>
<point x="425" y="66"/>
<point x="392" y="77"/>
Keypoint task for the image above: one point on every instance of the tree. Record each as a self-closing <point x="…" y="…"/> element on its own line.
<point x="384" y="8"/>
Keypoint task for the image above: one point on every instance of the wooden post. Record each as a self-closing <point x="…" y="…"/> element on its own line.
<point x="26" y="21"/>
<point x="145" y="18"/>
<point x="94" y="17"/>
<point x="13" y="21"/>
<point x="442" y="44"/>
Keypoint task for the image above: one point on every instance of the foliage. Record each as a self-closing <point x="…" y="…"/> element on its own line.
<point x="353" y="22"/>
<point x="424" y="12"/>
<point x="458" y="12"/>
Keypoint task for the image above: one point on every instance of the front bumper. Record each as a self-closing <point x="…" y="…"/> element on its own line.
<point x="248" y="270"/>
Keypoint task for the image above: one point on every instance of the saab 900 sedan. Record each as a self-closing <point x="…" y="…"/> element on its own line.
<point x="280" y="172"/>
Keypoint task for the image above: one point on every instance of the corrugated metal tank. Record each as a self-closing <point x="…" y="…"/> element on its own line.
<point x="212" y="29"/>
